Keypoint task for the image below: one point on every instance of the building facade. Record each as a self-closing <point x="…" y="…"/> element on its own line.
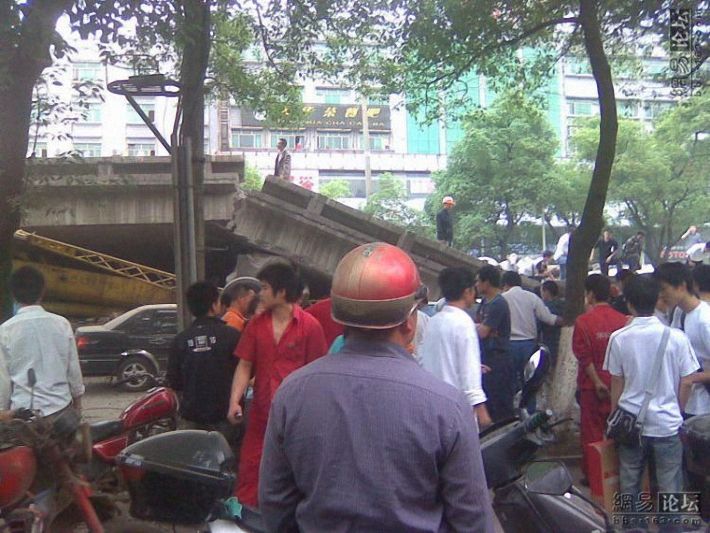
<point x="329" y="145"/>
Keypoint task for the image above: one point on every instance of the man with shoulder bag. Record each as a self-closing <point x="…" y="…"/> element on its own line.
<point x="647" y="362"/>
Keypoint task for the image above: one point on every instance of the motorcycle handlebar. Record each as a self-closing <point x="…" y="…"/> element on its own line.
<point x="537" y="420"/>
<point x="23" y="414"/>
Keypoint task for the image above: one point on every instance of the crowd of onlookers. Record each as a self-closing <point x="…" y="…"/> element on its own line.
<point x="643" y="344"/>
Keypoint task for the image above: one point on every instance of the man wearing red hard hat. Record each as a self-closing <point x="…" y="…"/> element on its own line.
<point x="365" y="439"/>
<point x="445" y="222"/>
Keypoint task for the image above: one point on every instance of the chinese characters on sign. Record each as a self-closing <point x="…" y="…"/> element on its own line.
<point x="685" y="48"/>
<point x="668" y="508"/>
<point x="332" y="116"/>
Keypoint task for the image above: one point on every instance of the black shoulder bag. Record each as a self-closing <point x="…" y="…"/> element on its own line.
<point x="625" y="427"/>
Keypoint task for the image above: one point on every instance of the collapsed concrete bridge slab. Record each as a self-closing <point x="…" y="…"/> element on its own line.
<point x="288" y="220"/>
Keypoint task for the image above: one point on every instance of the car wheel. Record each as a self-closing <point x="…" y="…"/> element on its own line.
<point x="136" y="365"/>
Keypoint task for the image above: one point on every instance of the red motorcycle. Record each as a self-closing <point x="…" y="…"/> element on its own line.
<point x="40" y="487"/>
<point x="153" y="413"/>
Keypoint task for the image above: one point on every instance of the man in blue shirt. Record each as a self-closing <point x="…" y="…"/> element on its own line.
<point x="493" y="328"/>
<point x="367" y="440"/>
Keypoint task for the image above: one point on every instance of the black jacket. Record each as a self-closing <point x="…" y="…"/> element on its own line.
<point x="444" y="225"/>
<point x="201" y="365"/>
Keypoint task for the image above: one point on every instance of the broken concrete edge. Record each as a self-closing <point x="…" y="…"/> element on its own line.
<point x="335" y="218"/>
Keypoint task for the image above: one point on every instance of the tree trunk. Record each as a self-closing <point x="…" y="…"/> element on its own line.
<point x="197" y="34"/>
<point x="590" y="227"/>
<point x="24" y="54"/>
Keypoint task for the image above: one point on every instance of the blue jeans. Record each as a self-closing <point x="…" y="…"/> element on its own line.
<point x="520" y="352"/>
<point x="667" y="454"/>
<point x="562" y="262"/>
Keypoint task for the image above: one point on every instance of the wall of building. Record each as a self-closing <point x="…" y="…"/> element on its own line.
<point x="403" y="144"/>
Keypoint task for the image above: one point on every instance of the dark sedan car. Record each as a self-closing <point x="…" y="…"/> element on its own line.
<point x="134" y="343"/>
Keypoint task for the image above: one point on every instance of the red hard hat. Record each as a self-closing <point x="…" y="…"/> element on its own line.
<point x="375" y="286"/>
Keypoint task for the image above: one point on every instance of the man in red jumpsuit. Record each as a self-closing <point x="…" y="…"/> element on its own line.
<point x="273" y="345"/>
<point x="589" y="341"/>
<point x="321" y="310"/>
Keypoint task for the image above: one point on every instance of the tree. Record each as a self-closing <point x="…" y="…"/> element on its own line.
<point x="253" y="180"/>
<point x="178" y="32"/>
<point x="498" y="171"/>
<point x="565" y="192"/>
<point x="335" y="189"/>
<point x="27" y="42"/>
<point x="388" y="203"/>
<point x="659" y="181"/>
<point x="430" y="48"/>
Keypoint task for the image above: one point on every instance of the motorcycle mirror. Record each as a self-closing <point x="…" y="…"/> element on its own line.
<point x="547" y="477"/>
<point x="532" y="365"/>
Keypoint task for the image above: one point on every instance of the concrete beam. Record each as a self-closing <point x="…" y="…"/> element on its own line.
<point x="121" y="190"/>
<point x="288" y="220"/>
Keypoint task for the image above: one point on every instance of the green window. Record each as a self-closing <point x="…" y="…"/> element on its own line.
<point x="334" y="95"/>
<point x="334" y="140"/>
<point x="134" y="118"/>
<point x="88" y="149"/>
<point x="246" y="138"/>
<point x="86" y="71"/>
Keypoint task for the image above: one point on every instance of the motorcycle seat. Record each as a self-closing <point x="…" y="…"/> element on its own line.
<point x="105" y="429"/>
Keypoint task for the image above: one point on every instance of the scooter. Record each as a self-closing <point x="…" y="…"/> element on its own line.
<point x="534" y="496"/>
<point x="528" y="496"/>
<point x="153" y="413"/>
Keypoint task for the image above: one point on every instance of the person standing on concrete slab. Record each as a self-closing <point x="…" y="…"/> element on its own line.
<point x="445" y="222"/>
<point x="282" y="165"/>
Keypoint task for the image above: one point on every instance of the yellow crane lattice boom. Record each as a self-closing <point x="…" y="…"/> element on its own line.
<point x="103" y="261"/>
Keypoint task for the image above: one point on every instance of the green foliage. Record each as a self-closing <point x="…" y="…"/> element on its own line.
<point x="659" y="179"/>
<point x="389" y="204"/>
<point x="335" y="189"/>
<point x="566" y="191"/>
<point x="253" y="180"/>
<point x="498" y="173"/>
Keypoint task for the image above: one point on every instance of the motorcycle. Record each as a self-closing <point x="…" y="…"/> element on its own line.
<point x="40" y="489"/>
<point x="528" y="495"/>
<point x="153" y="413"/>
<point x="534" y="496"/>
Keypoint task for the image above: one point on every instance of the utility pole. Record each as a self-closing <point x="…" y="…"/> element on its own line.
<point x="185" y="213"/>
<point x="366" y="147"/>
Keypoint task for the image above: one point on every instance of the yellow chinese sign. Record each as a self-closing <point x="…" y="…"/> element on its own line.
<point x="330" y="116"/>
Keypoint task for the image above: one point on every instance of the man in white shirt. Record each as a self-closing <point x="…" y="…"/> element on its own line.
<point x="36" y="339"/>
<point x="526" y="308"/>
<point x="629" y="360"/>
<point x="562" y="251"/>
<point x="450" y="350"/>
<point x="692" y="316"/>
<point x="5" y="390"/>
